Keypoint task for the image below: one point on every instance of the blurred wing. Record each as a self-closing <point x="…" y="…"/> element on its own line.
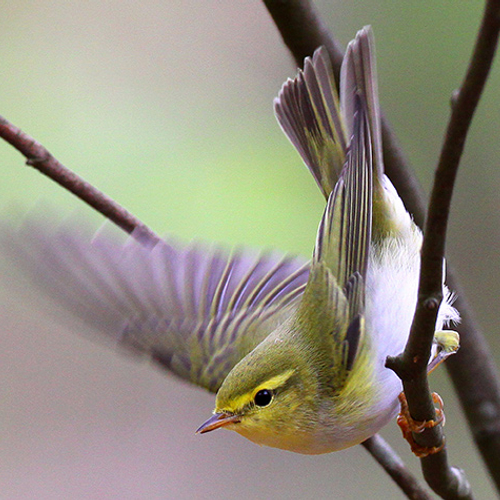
<point x="196" y="310"/>
<point x="307" y="109"/>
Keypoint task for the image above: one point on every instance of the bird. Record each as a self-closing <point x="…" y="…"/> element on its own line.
<point x="294" y="349"/>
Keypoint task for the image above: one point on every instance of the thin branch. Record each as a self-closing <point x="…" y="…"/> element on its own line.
<point x="39" y="157"/>
<point x="475" y="378"/>
<point x="411" y="366"/>
<point x="464" y="105"/>
<point x="303" y="31"/>
<point x="389" y="460"/>
<point x="472" y="370"/>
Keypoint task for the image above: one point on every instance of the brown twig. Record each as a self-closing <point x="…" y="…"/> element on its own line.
<point x="475" y="378"/>
<point x="37" y="156"/>
<point x="472" y="370"/>
<point x="303" y="31"/>
<point x="388" y="459"/>
<point x="411" y="366"/>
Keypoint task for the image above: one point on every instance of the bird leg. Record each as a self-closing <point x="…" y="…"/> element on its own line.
<point x="409" y="426"/>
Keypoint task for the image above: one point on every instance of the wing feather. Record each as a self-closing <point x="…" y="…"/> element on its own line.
<point x="307" y="109"/>
<point x="358" y="77"/>
<point x="342" y="247"/>
<point x="196" y="309"/>
<point x="344" y="233"/>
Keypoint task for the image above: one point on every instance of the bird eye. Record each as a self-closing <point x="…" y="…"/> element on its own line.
<point x="263" y="397"/>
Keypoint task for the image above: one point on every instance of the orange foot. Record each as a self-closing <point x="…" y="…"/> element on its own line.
<point x="409" y="426"/>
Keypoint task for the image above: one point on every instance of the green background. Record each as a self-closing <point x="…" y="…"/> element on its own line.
<point x="167" y="107"/>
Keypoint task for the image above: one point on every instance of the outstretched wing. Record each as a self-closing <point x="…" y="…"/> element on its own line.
<point x="196" y="309"/>
<point x="358" y="78"/>
<point x="344" y="233"/>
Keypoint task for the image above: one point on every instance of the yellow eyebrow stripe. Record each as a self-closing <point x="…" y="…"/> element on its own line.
<point x="274" y="382"/>
<point x="271" y="384"/>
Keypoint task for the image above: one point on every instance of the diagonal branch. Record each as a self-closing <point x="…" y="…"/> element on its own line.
<point x="40" y="158"/>
<point x="412" y="364"/>
<point x="388" y="459"/>
<point x="475" y="378"/>
<point x="463" y="107"/>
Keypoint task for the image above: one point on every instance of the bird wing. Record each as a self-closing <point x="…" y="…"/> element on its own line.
<point x="343" y="245"/>
<point x="339" y="266"/>
<point x="196" y="309"/>
<point x="344" y="233"/>
<point x="334" y="300"/>
<point x="307" y="108"/>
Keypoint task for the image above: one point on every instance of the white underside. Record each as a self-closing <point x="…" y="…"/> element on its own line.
<point x="392" y="287"/>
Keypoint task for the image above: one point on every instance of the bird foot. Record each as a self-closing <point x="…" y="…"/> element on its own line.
<point x="409" y="426"/>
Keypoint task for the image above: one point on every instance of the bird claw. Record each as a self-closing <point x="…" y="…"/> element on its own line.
<point x="409" y="426"/>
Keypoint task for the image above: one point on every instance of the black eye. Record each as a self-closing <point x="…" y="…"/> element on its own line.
<point x="263" y="397"/>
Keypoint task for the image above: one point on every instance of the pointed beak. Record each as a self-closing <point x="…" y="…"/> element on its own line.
<point x="218" y="420"/>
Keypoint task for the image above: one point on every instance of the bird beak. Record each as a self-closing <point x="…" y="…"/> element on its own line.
<point x="218" y="420"/>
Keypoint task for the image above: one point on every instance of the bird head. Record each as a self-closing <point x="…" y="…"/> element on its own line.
<point x="268" y="397"/>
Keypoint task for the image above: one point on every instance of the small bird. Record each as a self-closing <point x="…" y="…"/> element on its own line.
<point x="295" y="350"/>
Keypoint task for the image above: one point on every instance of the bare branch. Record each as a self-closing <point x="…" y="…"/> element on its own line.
<point x="303" y="30"/>
<point x="39" y="157"/>
<point x="463" y="108"/>
<point x="412" y="364"/>
<point x="389" y="460"/>
<point x="475" y="378"/>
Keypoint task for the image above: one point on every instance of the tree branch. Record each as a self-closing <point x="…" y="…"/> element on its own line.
<point x="475" y="378"/>
<point x="412" y="364"/>
<point x="38" y="156"/>
<point x="388" y="459"/>
<point x="303" y="31"/>
<point x="464" y="104"/>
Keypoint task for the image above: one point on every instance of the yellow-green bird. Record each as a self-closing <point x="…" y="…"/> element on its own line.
<point x="295" y="351"/>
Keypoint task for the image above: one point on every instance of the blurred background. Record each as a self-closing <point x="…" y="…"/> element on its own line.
<point x="167" y="107"/>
